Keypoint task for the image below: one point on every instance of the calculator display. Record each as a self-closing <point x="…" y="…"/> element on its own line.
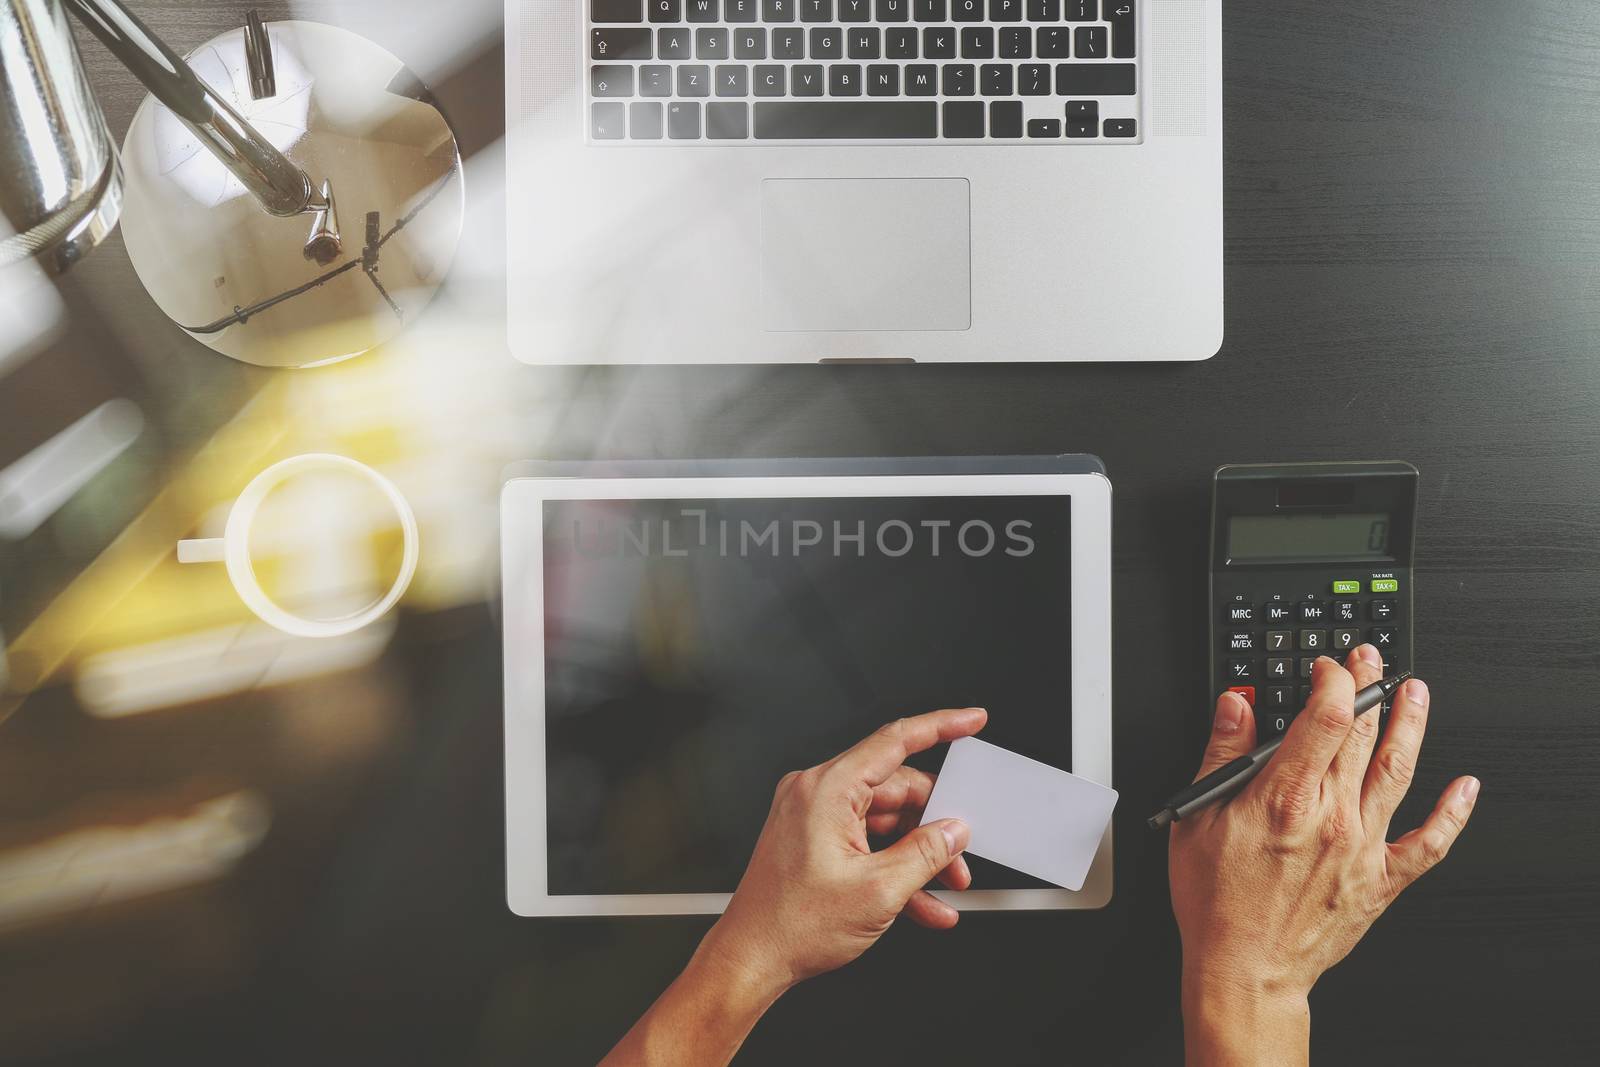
<point x="1288" y="537"/>
<point x="1307" y="560"/>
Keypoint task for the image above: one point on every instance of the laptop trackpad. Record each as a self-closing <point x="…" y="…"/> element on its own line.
<point x="866" y="254"/>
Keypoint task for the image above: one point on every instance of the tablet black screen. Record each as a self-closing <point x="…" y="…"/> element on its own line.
<point x="696" y="650"/>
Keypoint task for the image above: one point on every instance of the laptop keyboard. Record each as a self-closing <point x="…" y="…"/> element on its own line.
<point x="853" y="71"/>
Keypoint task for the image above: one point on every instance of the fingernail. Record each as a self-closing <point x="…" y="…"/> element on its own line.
<point x="955" y="836"/>
<point x="1230" y="713"/>
<point x="1417" y="693"/>
<point x="1469" y="790"/>
<point x="1369" y="656"/>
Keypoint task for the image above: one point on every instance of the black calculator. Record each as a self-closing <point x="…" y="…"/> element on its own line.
<point x="1307" y="560"/>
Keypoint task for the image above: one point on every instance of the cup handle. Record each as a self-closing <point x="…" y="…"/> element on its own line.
<point x="201" y="550"/>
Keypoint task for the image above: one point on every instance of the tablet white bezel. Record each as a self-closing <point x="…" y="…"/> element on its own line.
<point x="522" y="536"/>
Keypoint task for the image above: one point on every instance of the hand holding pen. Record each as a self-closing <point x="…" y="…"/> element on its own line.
<point x="1277" y="883"/>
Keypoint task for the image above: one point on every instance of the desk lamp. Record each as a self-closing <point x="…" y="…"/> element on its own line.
<point x="290" y="193"/>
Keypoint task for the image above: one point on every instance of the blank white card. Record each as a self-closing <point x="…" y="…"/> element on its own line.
<point x="1025" y="814"/>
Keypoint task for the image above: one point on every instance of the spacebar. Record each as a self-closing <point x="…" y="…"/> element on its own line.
<point x="846" y="119"/>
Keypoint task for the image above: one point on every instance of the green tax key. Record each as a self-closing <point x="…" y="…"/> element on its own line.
<point x="1347" y="587"/>
<point x="1385" y="585"/>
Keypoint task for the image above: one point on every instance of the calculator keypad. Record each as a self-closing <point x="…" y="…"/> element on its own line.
<point x="1269" y="643"/>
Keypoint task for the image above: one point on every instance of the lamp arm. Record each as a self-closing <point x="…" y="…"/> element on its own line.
<point x="282" y="187"/>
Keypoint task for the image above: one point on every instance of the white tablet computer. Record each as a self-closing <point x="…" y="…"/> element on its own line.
<point x="679" y="636"/>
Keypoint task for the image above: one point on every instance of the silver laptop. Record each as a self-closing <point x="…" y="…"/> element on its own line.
<point x="765" y="181"/>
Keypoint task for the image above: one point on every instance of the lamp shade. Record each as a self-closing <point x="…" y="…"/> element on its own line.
<point x="309" y="289"/>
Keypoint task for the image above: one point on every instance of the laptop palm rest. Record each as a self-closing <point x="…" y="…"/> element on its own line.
<point x="866" y="254"/>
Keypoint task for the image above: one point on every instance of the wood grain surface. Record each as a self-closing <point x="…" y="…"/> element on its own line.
<point x="1413" y="272"/>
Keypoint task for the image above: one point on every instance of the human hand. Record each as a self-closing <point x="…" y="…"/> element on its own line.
<point x="815" y="896"/>
<point x="1276" y="885"/>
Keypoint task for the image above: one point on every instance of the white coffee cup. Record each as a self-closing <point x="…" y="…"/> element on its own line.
<point x="233" y="547"/>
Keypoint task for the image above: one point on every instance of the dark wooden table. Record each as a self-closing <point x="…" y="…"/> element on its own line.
<point x="1413" y="271"/>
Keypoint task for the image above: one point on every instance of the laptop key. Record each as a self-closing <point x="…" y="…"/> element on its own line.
<point x="1121" y="15"/>
<point x="1122" y="128"/>
<point x="605" y="121"/>
<point x="740" y="10"/>
<point x="900" y="42"/>
<point x="614" y="10"/>
<point x="865" y="43"/>
<point x="977" y="42"/>
<point x="816" y="10"/>
<point x="1081" y="10"/>
<point x="789" y="44"/>
<point x="892" y="10"/>
<point x="1033" y="79"/>
<point x="655" y="80"/>
<point x="768" y="79"/>
<point x="703" y="11"/>
<point x="883" y="79"/>
<point x="928" y="10"/>
<point x="995" y="79"/>
<point x="966" y="10"/>
<point x="711" y="44"/>
<point x="1094" y="79"/>
<point x="644" y="120"/>
<point x="1082" y="128"/>
<point x="939" y="42"/>
<point x="662" y="11"/>
<point x="807" y="80"/>
<point x="787" y="120"/>
<point x="674" y="44"/>
<point x="694" y="81"/>
<point x="727" y="121"/>
<point x="1044" y="127"/>
<point x="778" y="10"/>
<point x="1055" y="42"/>
<point x="1090" y="42"/>
<point x="683" y="120"/>
<point x="827" y="43"/>
<point x="963" y="118"/>
<point x="733" y="80"/>
<point x="619" y="44"/>
<point x="958" y="79"/>
<point x="750" y="44"/>
<point x="922" y="79"/>
<point x="1016" y="42"/>
<point x="1005" y="118"/>
<point x="609" y="81"/>
<point x="844" y="79"/>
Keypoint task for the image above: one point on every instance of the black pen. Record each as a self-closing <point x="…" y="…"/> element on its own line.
<point x="1232" y="777"/>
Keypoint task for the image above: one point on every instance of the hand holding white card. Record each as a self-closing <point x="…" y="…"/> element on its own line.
<point x="1025" y="814"/>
